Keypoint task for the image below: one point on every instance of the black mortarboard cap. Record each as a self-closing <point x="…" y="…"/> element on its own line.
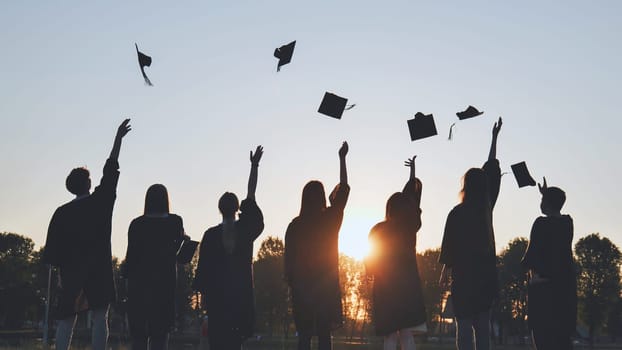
<point x="521" y="173"/>
<point x="143" y="61"/>
<point x="421" y="126"/>
<point x="186" y="251"/>
<point x="470" y="112"/>
<point x="284" y="54"/>
<point x="333" y="105"/>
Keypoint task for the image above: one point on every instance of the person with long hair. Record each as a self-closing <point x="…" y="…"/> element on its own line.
<point x="312" y="260"/>
<point x="224" y="275"/>
<point x="78" y="244"/>
<point x="153" y="240"/>
<point x="552" y="290"/>
<point x="398" y="307"/>
<point x="468" y="252"/>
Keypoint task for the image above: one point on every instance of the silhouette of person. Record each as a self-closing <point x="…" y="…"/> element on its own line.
<point x="312" y="260"/>
<point x="78" y="243"/>
<point x="398" y="306"/>
<point x="224" y="275"/>
<point x="552" y="290"/>
<point x="153" y="240"/>
<point x="468" y="252"/>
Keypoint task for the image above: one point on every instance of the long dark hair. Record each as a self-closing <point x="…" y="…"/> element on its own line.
<point x="397" y="207"/>
<point x="313" y="198"/>
<point x="156" y="200"/>
<point x="475" y="194"/>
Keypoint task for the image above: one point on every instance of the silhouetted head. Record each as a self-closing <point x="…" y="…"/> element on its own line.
<point x="313" y="198"/>
<point x="78" y="181"/>
<point x="156" y="200"/>
<point x="228" y="205"/>
<point x="553" y="199"/>
<point x="475" y="188"/>
<point x="397" y="207"/>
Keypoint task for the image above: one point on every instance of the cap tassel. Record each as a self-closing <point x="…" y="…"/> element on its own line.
<point x="349" y="107"/>
<point x="451" y="128"/>
<point x="147" y="81"/>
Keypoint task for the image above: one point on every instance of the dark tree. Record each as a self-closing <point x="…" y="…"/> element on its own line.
<point x="429" y="272"/>
<point x="21" y="297"/>
<point x="598" y="264"/>
<point x="270" y="288"/>
<point x="511" y="309"/>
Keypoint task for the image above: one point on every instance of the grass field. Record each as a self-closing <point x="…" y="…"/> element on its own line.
<point x="272" y="344"/>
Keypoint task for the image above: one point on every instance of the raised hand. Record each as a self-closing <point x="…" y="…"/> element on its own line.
<point x="252" y="178"/>
<point x="256" y="157"/>
<point x="497" y="127"/>
<point x="542" y="187"/>
<point x="493" y="145"/>
<point x="124" y="128"/>
<point x="343" y="151"/>
<point x="343" y="170"/>
<point x="410" y="162"/>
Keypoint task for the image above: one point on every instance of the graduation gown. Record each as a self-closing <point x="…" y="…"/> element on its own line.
<point x="466" y="249"/>
<point x="78" y="242"/>
<point x="552" y="305"/>
<point x="312" y="266"/>
<point x="151" y="267"/>
<point x="226" y="280"/>
<point x="397" y="294"/>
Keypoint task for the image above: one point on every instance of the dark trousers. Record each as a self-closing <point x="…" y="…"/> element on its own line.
<point x="545" y="339"/>
<point x="223" y="338"/>
<point x="324" y="341"/>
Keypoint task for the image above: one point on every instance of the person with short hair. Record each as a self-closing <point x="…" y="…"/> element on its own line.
<point x="224" y="274"/>
<point x="78" y="244"/>
<point x="153" y="240"/>
<point x="552" y="289"/>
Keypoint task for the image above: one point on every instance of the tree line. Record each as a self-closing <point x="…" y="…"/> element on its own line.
<point x="24" y="279"/>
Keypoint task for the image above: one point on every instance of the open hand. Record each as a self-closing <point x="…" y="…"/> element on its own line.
<point x="497" y="127"/>
<point x="124" y="128"/>
<point x="256" y="157"/>
<point x="410" y="162"/>
<point x="343" y="150"/>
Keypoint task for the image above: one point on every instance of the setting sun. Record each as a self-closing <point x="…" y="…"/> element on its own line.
<point x="353" y="236"/>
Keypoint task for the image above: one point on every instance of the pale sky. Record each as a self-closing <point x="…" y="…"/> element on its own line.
<point x="69" y="75"/>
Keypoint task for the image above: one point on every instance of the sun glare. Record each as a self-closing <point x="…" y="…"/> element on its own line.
<point x="353" y="236"/>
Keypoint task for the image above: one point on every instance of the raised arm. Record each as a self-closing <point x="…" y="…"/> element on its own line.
<point x="413" y="185"/>
<point x="252" y="178"/>
<point x="123" y="129"/>
<point x="493" y="145"/>
<point x="491" y="167"/>
<point x="343" y="171"/>
<point x="410" y="163"/>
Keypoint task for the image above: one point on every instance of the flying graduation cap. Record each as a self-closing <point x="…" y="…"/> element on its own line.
<point x="470" y="112"/>
<point x="421" y="126"/>
<point x="521" y="173"/>
<point x="284" y="54"/>
<point x="143" y="61"/>
<point x="333" y="105"/>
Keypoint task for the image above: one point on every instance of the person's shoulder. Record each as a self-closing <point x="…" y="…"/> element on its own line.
<point x="212" y="231"/>
<point x="377" y="228"/>
<point x="65" y="206"/>
<point x="293" y="225"/>
<point x="457" y="209"/>
<point x="175" y="218"/>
